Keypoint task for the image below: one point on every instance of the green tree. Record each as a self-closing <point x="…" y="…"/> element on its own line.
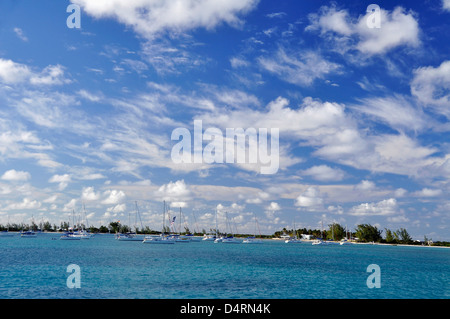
<point x="368" y="233"/>
<point x="389" y="236"/>
<point x="114" y="227"/>
<point x="403" y="236"/>
<point x="336" y="231"/>
<point x="103" y="229"/>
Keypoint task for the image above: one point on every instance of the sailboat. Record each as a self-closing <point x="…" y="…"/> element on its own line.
<point x="83" y="233"/>
<point x="163" y="238"/>
<point x="70" y="236"/>
<point x="78" y="232"/>
<point x="29" y="233"/>
<point x="132" y="236"/>
<point x="295" y="239"/>
<point x="332" y="242"/>
<point x="345" y="241"/>
<point x="192" y="237"/>
<point x="217" y="237"/>
<point x="319" y="241"/>
<point x="209" y="237"/>
<point x="253" y="239"/>
<point x="181" y="238"/>
<point x="230" y="239"/>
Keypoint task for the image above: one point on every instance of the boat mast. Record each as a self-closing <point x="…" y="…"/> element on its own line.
<point x="138" y="214"/>
<point x="164" y="217"/>
<point x="217" y="234"/>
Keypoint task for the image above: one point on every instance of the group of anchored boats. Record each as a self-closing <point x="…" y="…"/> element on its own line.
<point x="164" y="238"/>
<point x="79" y="233"/>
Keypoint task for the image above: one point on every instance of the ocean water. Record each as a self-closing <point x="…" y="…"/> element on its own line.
<point x="110" y="269"/>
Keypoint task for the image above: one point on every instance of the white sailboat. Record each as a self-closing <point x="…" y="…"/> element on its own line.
<point x="209" y="237"/>
<point x="319" y="241"/>
<point x="253" y="239"/>
<point x="345" y="241"/>
<point x="161" y="239"/>
<point x="132" y="236"/>
<point x="181" y="238"/>
<point x="230" y="239"/>
<point x="77" y="232"/>
<point x="29" y="233"/>
<point x="295" y="239"/>
<point x="69" y="236"/>
<point x="217" y="237"/>
<point x="192" y="237"/>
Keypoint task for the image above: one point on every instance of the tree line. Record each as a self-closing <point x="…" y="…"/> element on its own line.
<point x="112" y="227"/>
<point x="363" y="233"/>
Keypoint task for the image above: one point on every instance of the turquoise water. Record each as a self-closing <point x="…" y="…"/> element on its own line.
<point x="37" y="268"/>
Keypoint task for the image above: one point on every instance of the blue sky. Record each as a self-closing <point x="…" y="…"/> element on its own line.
<point x="86" y="115"/>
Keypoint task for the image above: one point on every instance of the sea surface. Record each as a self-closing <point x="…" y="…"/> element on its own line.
<point x="37" y="268"/>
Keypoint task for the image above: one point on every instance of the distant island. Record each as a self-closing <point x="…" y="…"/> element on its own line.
<point x="363" y="233"/>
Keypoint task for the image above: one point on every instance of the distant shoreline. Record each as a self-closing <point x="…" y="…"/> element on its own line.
<point x="361" y="243"/>
<point x="279" y="239"/>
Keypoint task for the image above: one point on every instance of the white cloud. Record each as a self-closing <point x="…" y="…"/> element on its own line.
<point x="298" y="68"/>
<point x="25" y="204"/>
<point x="400" y="192"/>
<point x="276" y="15"/>
<point x="89" y="194"/>
<point x="13" y="175"/>
<point x="446" y="5"/>
<point x="20" y="34"/>
<point x="365" y="185"/>
<point x="119" y="208"/>
<point x="397" y="29"/>
<point x="399" y="112"/>
<point x="17" y="143"/>
<point x="431" y="86"/>
<point x="329" y="19"/>
<point x="324" y="173"/>
<point x="177" y="192"/>
<point x="238" y="63"/>
<point x="233" y="208"/>
<point x="90" y="96"/>
<point x="310" y="199"/>
<point x="52" y="199"/>
<point x="382" y="208"/>
<point x="334" y="134"/>
<point x="63" y="180"/>
<point x="93" y="176"/>
<point x="113" y="197"/>
<point x="336" y="209"/>
<point x="428" y="192"/>
<point x="273" y="207"/>
<point x="70" y="206"/>
<point x="12" y="73"/>
<point x="51" y="75"/>
<point x="150" y="17"/>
